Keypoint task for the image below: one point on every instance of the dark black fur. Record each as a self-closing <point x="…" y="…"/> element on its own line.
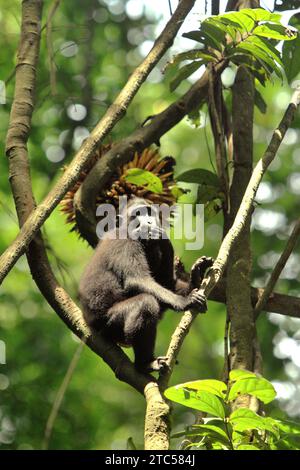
<point x="128" y="284"/>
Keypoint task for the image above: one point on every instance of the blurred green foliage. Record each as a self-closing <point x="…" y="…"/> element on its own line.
<point x="97" y="44"/>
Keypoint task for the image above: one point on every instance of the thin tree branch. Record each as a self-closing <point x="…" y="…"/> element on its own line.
<point x="60" y="396"/>
<point x="291" y="243"/>
<point x="114" y="113"/>
<point x="281" y="304"/>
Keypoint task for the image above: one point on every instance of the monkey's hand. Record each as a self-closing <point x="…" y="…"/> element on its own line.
<point x="198" y="270"/>
<point x="197" y="301"/>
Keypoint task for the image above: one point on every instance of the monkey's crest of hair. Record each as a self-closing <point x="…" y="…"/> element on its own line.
<point x="149" y="159"/>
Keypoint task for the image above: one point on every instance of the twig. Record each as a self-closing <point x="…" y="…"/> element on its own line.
<point x="278" y="269"/>
<point x="60" y="396"/>
<point x="114" y="113"/>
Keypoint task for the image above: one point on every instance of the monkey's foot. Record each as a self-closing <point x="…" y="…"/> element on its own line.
<point x="159" y="364"/>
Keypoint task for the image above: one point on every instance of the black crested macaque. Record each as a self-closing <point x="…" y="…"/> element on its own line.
<point x="128" y="284"/>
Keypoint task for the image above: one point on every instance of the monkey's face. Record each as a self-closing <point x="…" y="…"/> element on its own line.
<point x="143" y="221"/>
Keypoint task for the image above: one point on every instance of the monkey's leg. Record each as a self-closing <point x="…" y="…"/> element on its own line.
<point x="133" y="322"/>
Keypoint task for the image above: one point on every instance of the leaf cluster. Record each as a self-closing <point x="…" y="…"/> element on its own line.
<point x="248" y="37"/>
<point x="229" y="428"/>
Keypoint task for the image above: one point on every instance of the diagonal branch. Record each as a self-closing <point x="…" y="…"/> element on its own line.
<point x="114" y="113"/>
<point x="291" y="243"/>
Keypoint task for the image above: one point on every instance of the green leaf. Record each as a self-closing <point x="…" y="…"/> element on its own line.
<point x="199" y="176"/>
<point x="260" y="102"/>
<point x="204" y="38"/>
<point x="203" y="401"/>
<point x="211" y="29"/>
<point x="184" y="72"/>
<point x="289" y="427"/>
<point x="259" y="54"/>
<point x="275" y="31"/>
<point x="267" y="47"/>
<point x="244" y="419"/>
<point x="259" y="14"/>
<point x="290" y="52"/>
<point x="194" y="54"/>
<point x="238" y="374"/>
<point x="253" y="66"/>
<point x="144" y="178"/>
<point x="219" y="29"/>
<point x="239" y="20"/>
<point x="258" y="387"/>
<point x="217" y="387"/>
<point x="213" y="431"/>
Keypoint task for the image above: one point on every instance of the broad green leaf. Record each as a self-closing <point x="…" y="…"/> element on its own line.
<point x="260" y="54"/>
<point x="200" y="176"/>
<point x="244" y="419"/>
<point x="259" y="14"/>
<point x="253" y="66"/>
<point x="184" y="72"/>
<point x="238" y="374"/>
<point x="204" y="38"/>
<point x="289" y="427"/>
<point x="145" y="178"/>
<point x="210" y="28"/>
<point x="194" y="54"/>
<point x="247" y="447"/>
<point x="290" y="52"/>
<point x="203" y="401"/>
<point x="218" y="25"/>
<point x="275" y="31"/>
<point x="258" y="387"/>
<point x="267" y="47"/>
<point x="217" y="387"/>
<point x="238" y="19"/>
<point x="260" y="102"/>
<point x="213" y="431"/>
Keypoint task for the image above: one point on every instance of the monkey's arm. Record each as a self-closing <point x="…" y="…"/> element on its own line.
<point x="176" y="302"/>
